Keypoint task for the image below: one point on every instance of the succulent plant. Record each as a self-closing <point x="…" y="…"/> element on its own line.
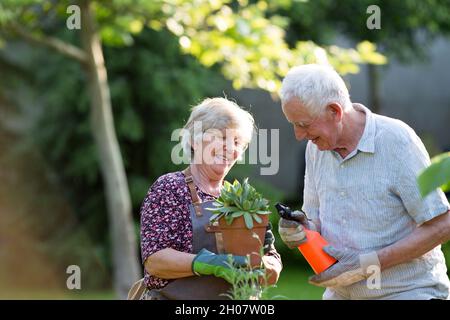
<point x="237" y="200"/>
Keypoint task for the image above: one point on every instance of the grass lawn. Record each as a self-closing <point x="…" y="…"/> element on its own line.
<point x="293" y="284"/>
<point x="57" y="295"/>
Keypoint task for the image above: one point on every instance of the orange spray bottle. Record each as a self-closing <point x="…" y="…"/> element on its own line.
<point x="312" y="249"/>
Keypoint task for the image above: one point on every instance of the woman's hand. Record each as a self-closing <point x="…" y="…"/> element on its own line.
<point x="271" y="263"/>
<point x="273" y="269"/>
<point x="208" y="263"/>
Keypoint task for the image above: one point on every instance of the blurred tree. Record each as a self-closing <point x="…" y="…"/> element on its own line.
<point x="147" y="107"/>
<point x="247" y="42"/>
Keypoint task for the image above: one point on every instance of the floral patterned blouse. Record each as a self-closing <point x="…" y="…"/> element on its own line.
<point x="166" y="221"/>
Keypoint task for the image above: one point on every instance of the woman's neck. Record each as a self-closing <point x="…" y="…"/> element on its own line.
<point x="204" y="182"/>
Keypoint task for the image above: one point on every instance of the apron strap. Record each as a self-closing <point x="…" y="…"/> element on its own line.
<point x="196" y="201"/>
<point x="214" y="228"/>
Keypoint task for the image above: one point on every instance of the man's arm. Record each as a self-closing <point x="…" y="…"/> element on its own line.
<point x="426" y="237"/>
<point x="353" y="266"/>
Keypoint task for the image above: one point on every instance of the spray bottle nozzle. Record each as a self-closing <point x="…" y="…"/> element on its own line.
<point x="284" y="211"/>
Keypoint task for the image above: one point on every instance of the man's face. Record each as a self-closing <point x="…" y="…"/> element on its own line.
<point x="322" y="130"/>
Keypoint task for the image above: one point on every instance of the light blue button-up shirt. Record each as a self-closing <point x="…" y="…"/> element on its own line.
<point x="370" y="200"/>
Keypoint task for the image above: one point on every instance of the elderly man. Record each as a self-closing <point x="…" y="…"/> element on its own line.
<point x="361" y="195"/>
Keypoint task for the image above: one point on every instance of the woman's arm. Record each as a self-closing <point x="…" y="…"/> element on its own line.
<point x="170" y="264"/>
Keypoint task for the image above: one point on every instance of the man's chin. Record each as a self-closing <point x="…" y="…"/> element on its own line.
<point x="322" y="147"/>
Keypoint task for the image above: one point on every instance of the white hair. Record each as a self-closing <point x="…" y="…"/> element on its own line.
<point x="315" y="86"/>
<point x="218" y="114"/>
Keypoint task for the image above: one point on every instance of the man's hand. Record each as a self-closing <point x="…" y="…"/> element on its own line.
<point x="351" y="267"/>
<point x="291" y="232"/>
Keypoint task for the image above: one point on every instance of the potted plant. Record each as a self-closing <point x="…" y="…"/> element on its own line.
<point x="243" y="215"/>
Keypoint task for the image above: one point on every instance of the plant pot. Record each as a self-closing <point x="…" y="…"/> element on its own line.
<point x="239" y="240"/>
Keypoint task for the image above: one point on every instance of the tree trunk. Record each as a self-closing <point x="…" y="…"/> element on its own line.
<point x="374" y="88"/>
<point x="124" y="250"/>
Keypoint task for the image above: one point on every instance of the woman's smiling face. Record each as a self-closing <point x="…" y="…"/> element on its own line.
<point x="219" y="150"/>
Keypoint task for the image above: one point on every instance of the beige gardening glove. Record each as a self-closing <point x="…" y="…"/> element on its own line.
<point x="352" y="267"/>
<point x="291" y="232"/>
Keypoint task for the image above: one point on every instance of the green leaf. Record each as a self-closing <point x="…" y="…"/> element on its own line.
<point x="237" y="214"/>
<point x="436" y="175"/>
<point x="227" y="209"/>
<point x="257" y="218"/>
<point x="239" y="205"/>
<point x="226" y="185"/>
<point x="245" y="192"/>
<point x="246" y="205"/>
<point x="248" y="220"/>
<point x="228" y="219"/>
<point x="216" y="217"/>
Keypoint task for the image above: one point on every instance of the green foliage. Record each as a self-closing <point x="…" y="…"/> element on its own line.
<point x="293" y="283"/>
<point x="248" y="40"/>
<point x="407" y="26"/>
<point x="249" y="284"/>
<point x="238" y="200"/>
<point x="152" y="87"/>
<point x="436" y="175"/>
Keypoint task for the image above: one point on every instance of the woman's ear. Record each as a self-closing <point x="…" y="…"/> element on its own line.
<point x="336" y="111"/>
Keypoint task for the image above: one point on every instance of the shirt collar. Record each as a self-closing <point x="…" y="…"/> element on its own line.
<point x="367" y="141"/>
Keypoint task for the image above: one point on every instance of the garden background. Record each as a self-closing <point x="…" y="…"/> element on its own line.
<point x="82" y="141"/>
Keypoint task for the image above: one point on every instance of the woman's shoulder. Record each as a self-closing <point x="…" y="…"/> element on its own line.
<point x="172" y="182"/>
<point x="168" y="194"/>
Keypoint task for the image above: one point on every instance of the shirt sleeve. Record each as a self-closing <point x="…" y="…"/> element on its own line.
<point x="413" y="159"/>
<point x="310" y="195"/>
<point x="160" y="220"/>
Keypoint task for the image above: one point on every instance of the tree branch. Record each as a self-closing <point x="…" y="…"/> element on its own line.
<point x="56" y="44"/>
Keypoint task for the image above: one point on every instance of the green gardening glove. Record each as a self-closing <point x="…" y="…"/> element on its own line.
<point x="210" y="264"/>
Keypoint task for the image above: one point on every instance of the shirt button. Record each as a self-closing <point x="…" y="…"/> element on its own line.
<point x="342" y="166"/>
<point x="342" y="194"/>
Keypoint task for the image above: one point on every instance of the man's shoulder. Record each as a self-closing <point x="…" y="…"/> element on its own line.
<point x="393" y="131"/>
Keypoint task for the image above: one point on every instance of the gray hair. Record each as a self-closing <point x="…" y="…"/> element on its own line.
<point x="315" y="86"/>
<point x="218" y="114"/>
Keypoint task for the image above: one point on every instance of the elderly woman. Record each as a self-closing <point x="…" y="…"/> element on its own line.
<point x="181" y="257"/>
